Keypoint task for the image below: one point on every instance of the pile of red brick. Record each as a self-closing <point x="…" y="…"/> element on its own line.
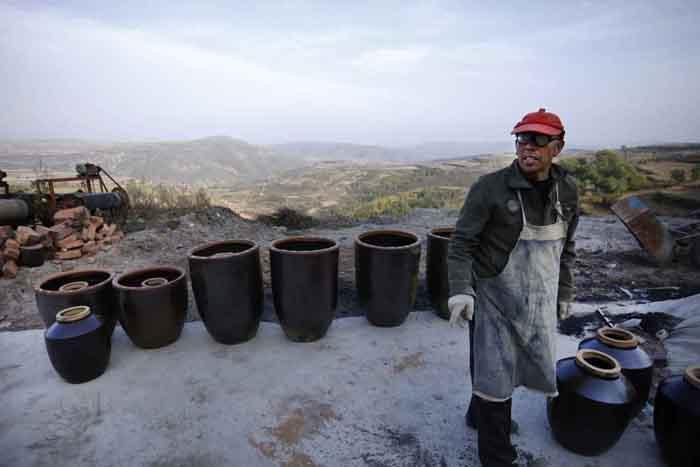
<point x="75" y="233"/>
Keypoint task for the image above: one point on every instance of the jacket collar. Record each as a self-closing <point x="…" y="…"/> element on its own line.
<point x="517" y="181"/>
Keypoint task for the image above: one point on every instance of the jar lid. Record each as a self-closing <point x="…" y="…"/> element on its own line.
<point x="72" y="314"/>
<point x="692" y="375"/>
<point x="618" y="338"/>
<point x="73" y="286"/>
<point x="154" y="282"/>
<point x="598" y="364"/>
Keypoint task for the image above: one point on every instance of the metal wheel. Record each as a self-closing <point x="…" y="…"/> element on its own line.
<point x="120" y="214"/>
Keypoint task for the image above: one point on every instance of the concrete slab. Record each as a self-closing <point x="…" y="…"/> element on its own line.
<point x="360" y="396"/>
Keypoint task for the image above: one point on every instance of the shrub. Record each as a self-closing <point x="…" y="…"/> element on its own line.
<point x="678" y="175"/>
<point x="145" y="196"/>
<point x="287" y="217"/>
<point x="695" y="173"/>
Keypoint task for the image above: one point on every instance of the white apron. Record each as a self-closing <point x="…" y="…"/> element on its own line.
<point x="516" y="315"/>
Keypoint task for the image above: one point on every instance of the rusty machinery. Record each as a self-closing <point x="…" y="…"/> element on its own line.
<point x="662" y="244"/>
<point x="93" y="193"/>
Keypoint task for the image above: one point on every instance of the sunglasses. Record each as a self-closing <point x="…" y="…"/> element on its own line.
<point x="538" y="139"/>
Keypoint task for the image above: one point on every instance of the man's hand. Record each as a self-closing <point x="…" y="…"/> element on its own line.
<point x="461" y="309"/>
<point x="563" y="310"/>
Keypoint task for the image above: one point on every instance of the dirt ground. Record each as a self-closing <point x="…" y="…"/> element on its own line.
<point x="610" y="265"/>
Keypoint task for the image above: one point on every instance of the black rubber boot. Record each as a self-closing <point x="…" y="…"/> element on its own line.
<point x="493" y="428"/>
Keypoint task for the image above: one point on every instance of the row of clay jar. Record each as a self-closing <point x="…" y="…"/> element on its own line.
<point x="600" y="390"/>
<point x="607" y="384"/>
<point x="227" y="284"/>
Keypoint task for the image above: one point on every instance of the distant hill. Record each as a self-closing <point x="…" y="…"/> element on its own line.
<point x="213" y="160"/>
<point x="320" y="151"/>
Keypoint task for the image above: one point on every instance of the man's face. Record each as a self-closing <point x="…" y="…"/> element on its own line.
<point x="535" y="161"/>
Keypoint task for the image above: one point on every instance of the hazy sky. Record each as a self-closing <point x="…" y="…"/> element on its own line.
<point x="380" y="72"/>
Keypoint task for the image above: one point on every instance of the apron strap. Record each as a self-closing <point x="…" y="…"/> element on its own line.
<point x="522" y="208"/>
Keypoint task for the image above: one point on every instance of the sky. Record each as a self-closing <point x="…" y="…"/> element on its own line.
<point x="380" y="72"/>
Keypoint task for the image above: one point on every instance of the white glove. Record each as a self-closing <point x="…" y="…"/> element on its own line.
<point x="461" y="309"/>
<point x="563" y="310"/>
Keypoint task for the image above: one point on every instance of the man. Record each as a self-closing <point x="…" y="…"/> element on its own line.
<point x="510" y="261"/>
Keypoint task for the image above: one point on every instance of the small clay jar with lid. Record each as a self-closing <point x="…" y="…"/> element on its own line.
<point x="635" y="363"/>
<point x="78" y="345"/>
<point x="677" y="418"/>
<point x="595" y="403"/>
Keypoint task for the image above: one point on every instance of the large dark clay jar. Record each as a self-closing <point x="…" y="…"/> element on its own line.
<point x="89" y="287"/>
<point x="677" y="418"/>
<point x="436" y="269"/>
<point x="595" y="403"/>
<point x="32" y="256"/>
<point x="78" y="345"/>
<point x="228" y="289"/>
<point x="386" y="273"/>
<point x="304" y="274"/>
<point x="152" y="305"/>
<point x="623" y="346"/>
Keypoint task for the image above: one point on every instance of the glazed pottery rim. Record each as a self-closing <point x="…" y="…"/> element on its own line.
<point x="434" y="232"/>
<point x="302" y="238"/>
<point x="398" y="233"/>
<point x="617" y="337"/>
<point x="78" y="272"/>
<point x="74" y="286"/>
<point x="35" y="247"/>
<point x="73" y="314"/>
<point x="154" y="282"/>
<point x="692" y="375"/>
<point x="117" y="285"/>
<point x="605" y="373"/>
<point x="252" y="247"/>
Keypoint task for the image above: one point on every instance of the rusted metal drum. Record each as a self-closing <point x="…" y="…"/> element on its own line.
<point x="386" y="273"/>
<point x="152" y="304"/>
<point x="78" y="344"/>
<point x="304" y="274"/>
<point x="623" y="346"/>
<point x="436" y="269"/>
<point x="651" y="234"/>
<point x="89" y="287"/>
<point x="228" y="288"/>
<point x="32" y="256"/>
<point x="677" y="418"/>
<point x="595" y="403"/>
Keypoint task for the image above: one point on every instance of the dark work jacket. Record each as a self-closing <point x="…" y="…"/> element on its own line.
<point x="490" y="223"/>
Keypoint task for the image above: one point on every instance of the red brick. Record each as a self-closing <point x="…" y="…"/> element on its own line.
<point x="69" y="254"/>
<point x="78" y="214"/>
<point x="9" y="269"/>
<point x="27" y="236"/>
<point x="11" y="253"/>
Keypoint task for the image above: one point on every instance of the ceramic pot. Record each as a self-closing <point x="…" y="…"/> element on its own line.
<point x="32" y="256"/>
<point x="595" y="403"/>
<point x="78" y="345"/>
<point x="152" y="305"/>
<point x="89" y="287"/>
<point x="386" y="274"/>
<point x="304" y="274"/>
<point x="623" y="346"/>
<point x="436" y="269"/>
<point x="228" y="289"/>
<point x="677" y="418"/>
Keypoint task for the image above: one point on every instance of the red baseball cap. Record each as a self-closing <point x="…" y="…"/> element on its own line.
<point x="541" y="121"/>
